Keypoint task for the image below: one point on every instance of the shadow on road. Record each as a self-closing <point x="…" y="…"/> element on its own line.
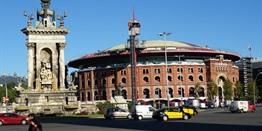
<point x="152" y="125"/>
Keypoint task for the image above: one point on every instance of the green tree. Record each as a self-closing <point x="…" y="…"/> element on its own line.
<point x="12" y="93"/>
<point x="103" y="106"/>
<point x="228" y="89"/>
<point x="250" y="90"/>
<point x="211" y="90"/>
<point x="196" y="90"/>
<point x="239" y="90"/>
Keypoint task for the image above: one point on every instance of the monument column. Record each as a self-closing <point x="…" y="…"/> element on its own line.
<point x="30" y="63"/>
<point x="62" y="66"/>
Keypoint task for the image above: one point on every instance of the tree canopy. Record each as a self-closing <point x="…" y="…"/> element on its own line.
<point x="211" y="90"/>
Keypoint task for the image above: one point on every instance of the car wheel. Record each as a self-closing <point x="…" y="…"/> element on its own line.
<point x="165" y="118"/>
<point x="23" y="122"/>
<point x="139" y="117"/>
<point x="1" y="123"/>
<point x="253" y="110"/>
<point x="129" y="117"/>
<point x="186" y="117"/>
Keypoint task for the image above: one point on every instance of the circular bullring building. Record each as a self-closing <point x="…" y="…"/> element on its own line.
<point x="101" y="74"/>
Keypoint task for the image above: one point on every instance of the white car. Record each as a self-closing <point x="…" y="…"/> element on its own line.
<point x="112" y="113"/>
<point x="143" y="112"/>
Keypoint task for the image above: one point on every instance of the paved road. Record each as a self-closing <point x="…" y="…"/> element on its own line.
<point x="217" y="119"/>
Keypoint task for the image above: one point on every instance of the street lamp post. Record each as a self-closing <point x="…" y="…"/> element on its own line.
<point x="165" y="34"/>
<point x="254" y="87"/>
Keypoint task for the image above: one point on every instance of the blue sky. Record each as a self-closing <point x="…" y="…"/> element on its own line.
<point x="100" y="24"/>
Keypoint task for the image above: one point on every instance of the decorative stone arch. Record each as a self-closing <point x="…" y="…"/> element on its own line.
<point x="220" y="83"/>
<point x="146" y="93"/>
<point x="46" y="69"/>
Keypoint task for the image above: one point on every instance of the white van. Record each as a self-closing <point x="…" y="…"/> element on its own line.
<point x="239" y="106"/>
<point x="144" y="112"/>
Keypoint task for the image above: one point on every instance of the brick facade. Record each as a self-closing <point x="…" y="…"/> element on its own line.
<point x="152" y="77"/>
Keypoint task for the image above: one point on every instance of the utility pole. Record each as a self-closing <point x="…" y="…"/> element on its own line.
<point x="134" y="31"/>
<point x="165" y="34"/>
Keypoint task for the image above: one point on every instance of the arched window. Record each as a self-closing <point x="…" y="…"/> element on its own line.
<point x="146" y="93"/>
<point x="200" y="70"/>
<point x="191" y="92"/>
<point x="146" y="79"/>
<point x="158" y="93"/>
<point x="179" y="70"/>
<point x="191" y="78"/>
<point x="124" y="93"/>
<point x="169" y="70"/>
<point x="169" y="78"/>
<point x="201" y="78"/>
<point x="201" y="92"/>
<point x="180" y="78"/>
<point x="124" y="80"/>
<point x="157" y="79"/>
<point x="170" y="92"/>
<point x="181" y="92"/>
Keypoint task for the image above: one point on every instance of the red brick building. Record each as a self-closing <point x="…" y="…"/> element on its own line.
<point x="101" y="73"/>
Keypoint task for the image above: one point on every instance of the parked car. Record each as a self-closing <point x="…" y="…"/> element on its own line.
<point x="166" y="114"/>
<point x="242" y="106"/>
<point x="210" y="105"/>
<point x="251" y="107"/>
<point x="112" y="113"/>
<point x="12" y="119"/>
<point x="143" y="111"/>
<point x="203" y="104"/>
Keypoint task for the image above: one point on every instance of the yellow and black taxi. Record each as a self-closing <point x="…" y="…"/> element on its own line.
<point x="190" y="110"/>
<point x="166" y="114"/>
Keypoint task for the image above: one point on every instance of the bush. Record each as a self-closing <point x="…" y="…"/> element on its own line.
<point x="103" y="106"/>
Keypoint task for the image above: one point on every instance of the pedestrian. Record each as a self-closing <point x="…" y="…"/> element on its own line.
<point x="34" y="124"/>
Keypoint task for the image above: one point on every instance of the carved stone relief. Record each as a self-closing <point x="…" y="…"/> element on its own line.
<point x="46" y="74"/>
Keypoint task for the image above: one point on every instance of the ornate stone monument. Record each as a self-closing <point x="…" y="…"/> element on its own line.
<point x="47" y="92"/>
